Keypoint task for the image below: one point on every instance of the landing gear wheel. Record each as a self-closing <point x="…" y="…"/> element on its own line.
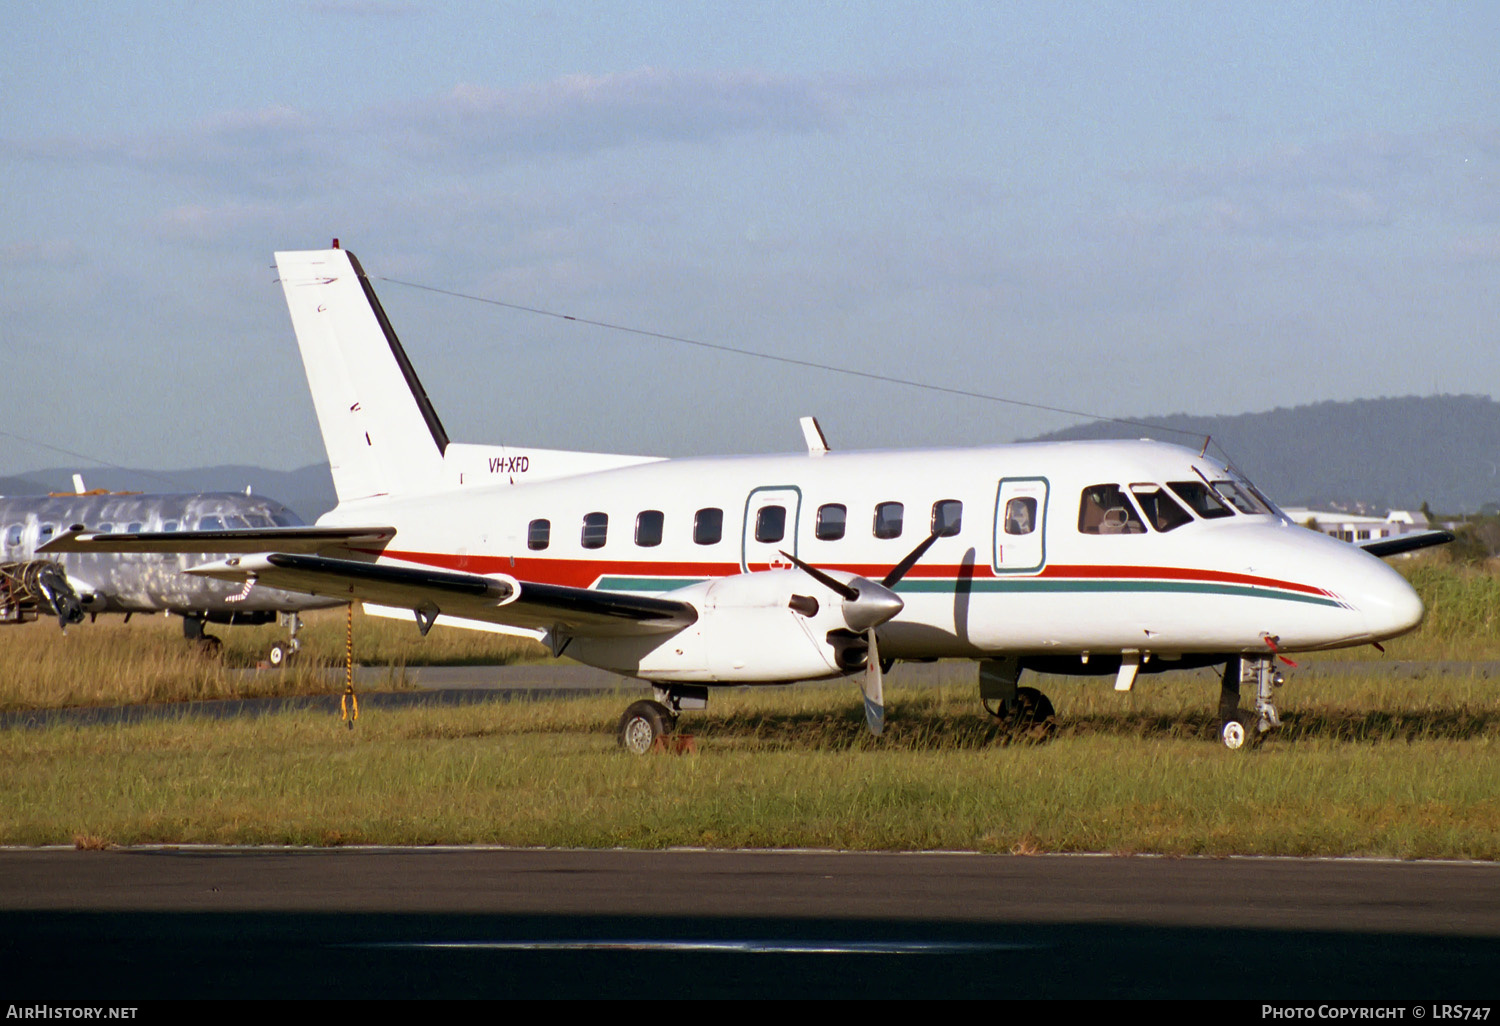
<point x="280" y="653"/>
<point x="642" y="724"/>
<point x="1033" y="719"/>
<point x="1239" y="732"/>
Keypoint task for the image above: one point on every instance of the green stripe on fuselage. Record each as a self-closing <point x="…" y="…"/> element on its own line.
<point x="1020" y="586"/>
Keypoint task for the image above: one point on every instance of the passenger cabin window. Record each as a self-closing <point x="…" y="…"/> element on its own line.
<point x="770" y="524"/>
<point x="135" y="527"/>
<point x="13" y="536"/>
<point x="1104" y="509"/>
<point x="171" y="525"/>
<point x="44" y="533"/>
<point x="538" y="534"/>
<point x="833" y="517"/>
<point x="947" y="517"/>
<point x="1161" y="512"/>
<point x="1020" y="515"/>
<point x="648" y="528"/>
<point x="1200" y="499"/>
<point x="708" y="526"/>
<point x="888" y="520"/>
<point x="595" y="530"/>
<point x="105" y="527"/>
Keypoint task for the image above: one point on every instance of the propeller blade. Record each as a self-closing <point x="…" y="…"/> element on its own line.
<point x="845" y="591"/>
<point x="910" y="561"/>
<point x="872" y="683"/>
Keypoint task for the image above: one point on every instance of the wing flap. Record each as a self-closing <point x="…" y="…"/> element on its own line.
<point x="428" y="593"/>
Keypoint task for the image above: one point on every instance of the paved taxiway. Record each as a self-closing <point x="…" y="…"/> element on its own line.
<point x="114" y="926"/>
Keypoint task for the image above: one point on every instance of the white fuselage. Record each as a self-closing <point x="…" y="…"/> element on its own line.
<point x="1038" y="566"/>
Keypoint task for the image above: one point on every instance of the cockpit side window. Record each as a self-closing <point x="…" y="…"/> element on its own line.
<point x="1104" y="509"/>
<point x="1200" y="499"/>
<point x="1161" y="511"/>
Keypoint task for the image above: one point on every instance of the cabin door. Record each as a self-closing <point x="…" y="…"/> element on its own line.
<point x="1020" y="525"/>
<point x="769" y="527"/>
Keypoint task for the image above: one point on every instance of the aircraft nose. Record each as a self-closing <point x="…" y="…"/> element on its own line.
<point x="1390" y="605"/>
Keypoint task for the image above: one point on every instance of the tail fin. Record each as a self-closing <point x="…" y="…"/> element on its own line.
<point x="382" y="435"/>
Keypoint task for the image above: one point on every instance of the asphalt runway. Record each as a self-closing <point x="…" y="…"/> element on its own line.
<point x="147" y="924"/>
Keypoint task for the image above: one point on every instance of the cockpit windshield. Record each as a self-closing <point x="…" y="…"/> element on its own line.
<point x="1201" y="498"/>
<point x="1241" y="497"/>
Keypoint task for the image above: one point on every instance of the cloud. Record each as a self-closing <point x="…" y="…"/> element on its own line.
<point x="580" y="114"/>
<point x="1345" y="184"/>
<point x="40" y="253"/>
<point x="280" y="150"/>
<point x="362" y="8"/>
<point x="261" y="149"/>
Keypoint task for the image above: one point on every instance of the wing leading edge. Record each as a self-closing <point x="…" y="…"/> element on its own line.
<point x="1405" y="542"/>
<point x="242" y="539"/>
<point x="428" y="593"/>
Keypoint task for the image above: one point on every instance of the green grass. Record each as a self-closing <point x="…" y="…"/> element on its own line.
<point x="1412" y="778"/>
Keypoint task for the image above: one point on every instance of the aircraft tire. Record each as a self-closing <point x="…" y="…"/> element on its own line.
<point x="1036" y="720"/>
<point x="279" y="654"/>
<point x="1239" y="733"/>
<point x="642" y="724"/>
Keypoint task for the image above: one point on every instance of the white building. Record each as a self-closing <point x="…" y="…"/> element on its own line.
<point x="1354" y="527"/>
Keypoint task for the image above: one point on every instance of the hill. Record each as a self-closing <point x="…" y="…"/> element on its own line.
<point x="1378" y="453"/>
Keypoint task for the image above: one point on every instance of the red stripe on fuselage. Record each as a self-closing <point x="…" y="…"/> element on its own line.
<point x="582" y="573"/>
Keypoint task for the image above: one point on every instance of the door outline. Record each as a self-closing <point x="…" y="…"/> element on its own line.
<point x="1033" y="554"/>
<point x="791" y="496"/>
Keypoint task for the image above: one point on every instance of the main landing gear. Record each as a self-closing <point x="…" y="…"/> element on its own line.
<point x="646" y="721"/>
<point x="1239" y="729"/>
<point x="192" y="629"/>
<point x="1025" y="714"/>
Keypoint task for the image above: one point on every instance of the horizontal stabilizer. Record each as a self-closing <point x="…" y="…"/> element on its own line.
<point x="498" y="599"/>
<point x="1406" y="542"/>
<point x="246" y="539"/>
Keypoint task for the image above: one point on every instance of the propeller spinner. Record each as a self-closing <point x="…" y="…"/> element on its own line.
<point x="868" y="604"/>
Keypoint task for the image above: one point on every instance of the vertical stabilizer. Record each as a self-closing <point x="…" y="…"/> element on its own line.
<point x="382" y="434"/>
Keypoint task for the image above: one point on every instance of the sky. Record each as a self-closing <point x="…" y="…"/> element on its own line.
<point x="1125" y="210"/>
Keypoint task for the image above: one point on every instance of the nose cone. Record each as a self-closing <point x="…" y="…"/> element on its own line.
<point x="1389" y="604"/>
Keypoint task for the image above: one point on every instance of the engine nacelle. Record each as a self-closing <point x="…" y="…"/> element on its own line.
<point x="766" y="626"/>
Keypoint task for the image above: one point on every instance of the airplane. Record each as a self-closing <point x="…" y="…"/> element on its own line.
<point x="98" y="581"/>
<point x="1111" y="558"/>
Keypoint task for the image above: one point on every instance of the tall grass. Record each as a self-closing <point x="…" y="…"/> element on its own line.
<point x="783" y="768"/>
<point x="111" y="662"/>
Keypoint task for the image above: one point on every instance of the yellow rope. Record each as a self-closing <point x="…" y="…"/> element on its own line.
<point x="349" y="702"/>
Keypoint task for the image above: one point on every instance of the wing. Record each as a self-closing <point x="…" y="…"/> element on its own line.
<point x="1406" y="542"/>
<point x="428" y="593"/>
<point x="252" y="539"/>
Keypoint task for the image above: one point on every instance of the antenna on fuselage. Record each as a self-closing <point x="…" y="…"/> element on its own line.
<point x="1204" y="451"/>
<point x="812" y="433"/>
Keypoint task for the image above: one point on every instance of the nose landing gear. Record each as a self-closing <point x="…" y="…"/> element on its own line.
<point x="1239" y="729"/>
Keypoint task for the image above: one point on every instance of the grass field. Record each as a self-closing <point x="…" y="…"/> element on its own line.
<point x="1363" y="768"/>
<point x="1365" y="764"/>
